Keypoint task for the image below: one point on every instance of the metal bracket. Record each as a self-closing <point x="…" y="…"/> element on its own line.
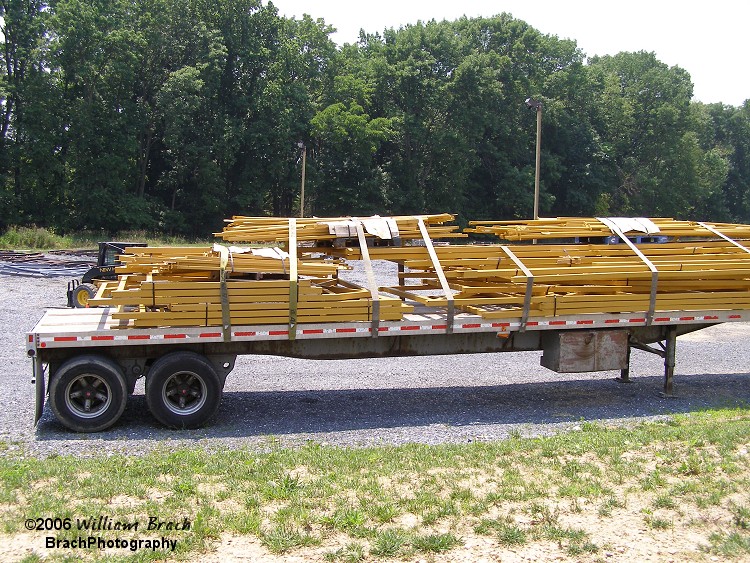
<point x="370" y="279"/>
<point x="654" y="272"/>
<point x="440" y="274"/>
<point x="650" y="349"/>
<point x="293" y="292"/>
<point x="529" y="285"/>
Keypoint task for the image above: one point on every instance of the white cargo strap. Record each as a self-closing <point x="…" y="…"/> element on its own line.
<point x="529" y="285"/>
<point x="719" y="234"/>
<point x="614" y="227"/>
<point x="293" y="293"/>
<point x="440" y="274"/>
<point x="375" y="296"/>
<point x="226" y="316"/>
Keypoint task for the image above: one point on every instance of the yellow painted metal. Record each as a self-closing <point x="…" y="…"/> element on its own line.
<point x="181" y="286"/>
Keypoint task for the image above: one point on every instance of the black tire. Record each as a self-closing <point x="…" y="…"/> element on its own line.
<point x="81" y="295"/>
<point x="183" y="390"/>
<point x="88" y="393"/>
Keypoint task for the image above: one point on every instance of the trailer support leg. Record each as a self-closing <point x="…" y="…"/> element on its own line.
<point x="625" y="372"/>
<point x="667" y="351"/>
<point x="670" y="347"/>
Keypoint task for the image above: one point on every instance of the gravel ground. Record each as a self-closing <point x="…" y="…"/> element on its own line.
<point x="448" y="399"/>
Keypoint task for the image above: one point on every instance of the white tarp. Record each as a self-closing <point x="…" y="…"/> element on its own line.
<point x="630" y="224"/>
<point x="274" y="252"/>
<point x="382" y="227"/>
<point x="342" y="229"/>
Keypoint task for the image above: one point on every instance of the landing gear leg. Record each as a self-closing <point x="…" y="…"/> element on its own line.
<point x="625" y="372"/>
<point x="670" y="347"/>
<point x="665" y="350"/>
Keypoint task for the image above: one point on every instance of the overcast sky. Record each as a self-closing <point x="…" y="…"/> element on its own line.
<point x="708" y="39"/>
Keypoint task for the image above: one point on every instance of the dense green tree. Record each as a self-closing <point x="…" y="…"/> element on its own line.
<point x="173" y="114"/>
<point x="646" y="118"/>
<point x="29" y="117"/>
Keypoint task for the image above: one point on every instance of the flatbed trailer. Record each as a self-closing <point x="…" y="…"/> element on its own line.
<point x="87" y="367"/>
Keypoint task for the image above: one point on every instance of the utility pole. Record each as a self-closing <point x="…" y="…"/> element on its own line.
<point x="302" y="146"/>
<point x="537" y="105"/>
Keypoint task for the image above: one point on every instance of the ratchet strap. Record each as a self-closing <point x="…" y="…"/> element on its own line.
<point x="226" y="316"/>
<point x="440" y="274"/>
<point x="719" y="234"/>
<point x="654" y="272"/>
<point x="370" y="279"/>
<point x="293" y="293"/>
<point x="529" y="285"/>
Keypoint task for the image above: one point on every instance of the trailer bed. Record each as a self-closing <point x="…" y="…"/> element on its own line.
<point x="82" y="328"/>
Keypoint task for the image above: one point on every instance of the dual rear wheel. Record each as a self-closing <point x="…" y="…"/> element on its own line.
<point x="89" y="393"/>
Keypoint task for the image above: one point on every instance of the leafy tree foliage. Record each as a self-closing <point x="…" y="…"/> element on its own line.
<point x="173" y="114"/>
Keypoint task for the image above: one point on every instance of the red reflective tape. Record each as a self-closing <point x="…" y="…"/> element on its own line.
<point x="383" y="329"/>
<point x="558" y="323"/>
<point x="439" y="327"/>
<point x="637" y="321"/>
<point x="411" y="327"/>
<point x="31" y="338"/>
<point x="687" y="318"/>
<point x="245" y="333"/>
<point x="471" y="325"/>
<point x="102" y="338"/>
<point x="735" y="316"/>
<point x="612" y="321"/>
<point x="210" y="335"/>
<point x="277" y="332"/>
<point x="346" y="330"/>
<point x="65" y="338"/>
<point x="584" y="322"/>
<point x="711" y="318"/>
<point x="175" y="336"/>
<point x="532" y="323"/>
<point x="662" y="319"/>
<point x="500" y="325"/>
<point x="139" y="336"/>
<point x="313" y="331"/>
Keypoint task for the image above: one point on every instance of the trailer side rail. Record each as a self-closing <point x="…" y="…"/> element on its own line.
<point x="83" y="328"/>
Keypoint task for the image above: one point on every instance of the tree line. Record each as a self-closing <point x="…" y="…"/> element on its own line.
<point x="172" y="115"/>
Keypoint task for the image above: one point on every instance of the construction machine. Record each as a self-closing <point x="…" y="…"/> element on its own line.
<point x="80" y="291"/>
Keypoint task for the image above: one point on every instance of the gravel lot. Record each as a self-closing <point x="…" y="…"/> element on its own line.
<point x="380" y="401"/>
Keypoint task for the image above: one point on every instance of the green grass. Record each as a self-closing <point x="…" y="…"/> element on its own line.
<point x="33" y="238"/>
<point x="733" y="544"/>
<point x="38" y="238"/>
<point x="403" y="502"/>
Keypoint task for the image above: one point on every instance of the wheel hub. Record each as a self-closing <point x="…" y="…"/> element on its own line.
<point x="88" y="395"/>
<point x="184" y="393"/>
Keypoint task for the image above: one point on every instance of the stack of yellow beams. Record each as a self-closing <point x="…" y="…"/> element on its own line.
<point x="181" y="287"/>
<point x="583" y="227"/>
<point x="205" y="261"/>
<point x="275" y="229"/>
<point x="580" y="279"/>
<point x="147" y="303"/>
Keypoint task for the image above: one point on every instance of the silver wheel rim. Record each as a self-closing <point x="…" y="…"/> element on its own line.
<point x="88" y="396"/>
<point x="184" y="393"/>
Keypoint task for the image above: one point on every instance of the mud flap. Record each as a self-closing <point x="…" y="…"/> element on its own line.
<point x="40" y="388"/>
